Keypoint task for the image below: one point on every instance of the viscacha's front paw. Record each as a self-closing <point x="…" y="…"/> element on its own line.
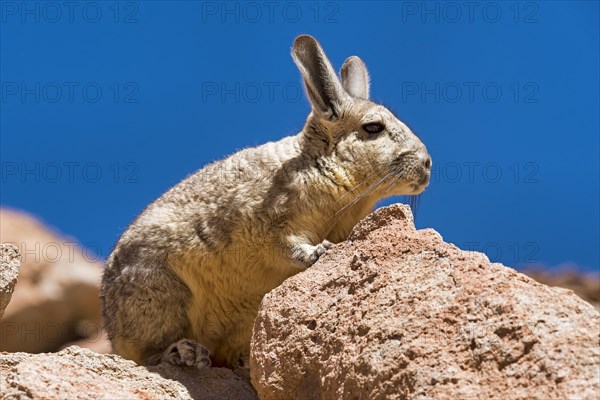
<point x="318" y="251"/>
<point x="308" y="254"/>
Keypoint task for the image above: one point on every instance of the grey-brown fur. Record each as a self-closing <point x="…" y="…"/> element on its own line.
<point x="187" y="276"/>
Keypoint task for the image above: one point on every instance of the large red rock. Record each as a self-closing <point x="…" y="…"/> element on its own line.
<point x="396" y="313"/>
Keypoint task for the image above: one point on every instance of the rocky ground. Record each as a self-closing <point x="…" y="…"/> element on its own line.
<point x="391" y="313"/>
<point x="76" y="373"/>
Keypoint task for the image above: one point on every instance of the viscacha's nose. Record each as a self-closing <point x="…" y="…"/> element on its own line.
<point x="424" y="157"/>
<point x="427" y="162"/>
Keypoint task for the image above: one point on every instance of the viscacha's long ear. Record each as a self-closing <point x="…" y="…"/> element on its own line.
<point x="324" y="89"/>
<point x="355" y="77"/>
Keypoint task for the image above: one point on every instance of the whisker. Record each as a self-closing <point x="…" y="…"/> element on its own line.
<point x="356" y="187"/>
<point x="393" y="183"/>
<point x="413" y="202"/>
<point x="368" y="178"/>
<point x="371" y="188"/>
<point x="415" y="205"/>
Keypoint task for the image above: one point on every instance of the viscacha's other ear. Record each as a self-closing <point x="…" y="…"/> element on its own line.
<point x="355" y="77"/>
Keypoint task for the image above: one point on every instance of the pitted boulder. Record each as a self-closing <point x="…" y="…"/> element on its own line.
<point x="397" y="313"/>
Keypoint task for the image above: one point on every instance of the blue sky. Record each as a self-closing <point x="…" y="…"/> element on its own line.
<point x="106" y="105"/>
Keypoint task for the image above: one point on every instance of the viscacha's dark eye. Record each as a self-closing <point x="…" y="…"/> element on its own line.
<point x="373" y="127"/>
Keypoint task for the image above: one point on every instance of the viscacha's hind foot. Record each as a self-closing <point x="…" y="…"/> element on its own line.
<point x="187" y="352"/>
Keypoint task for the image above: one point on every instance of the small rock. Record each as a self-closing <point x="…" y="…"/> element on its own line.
<point x="10" y="261"/>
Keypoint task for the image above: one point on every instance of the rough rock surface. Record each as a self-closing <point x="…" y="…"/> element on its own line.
<point x="56" y="299"/>
<point x="397" y="313"/>
<point x="76" y="373"/>
<point x="10" y="260"/>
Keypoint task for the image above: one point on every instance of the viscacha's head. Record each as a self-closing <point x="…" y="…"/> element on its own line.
<point x="365" y="141"/>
